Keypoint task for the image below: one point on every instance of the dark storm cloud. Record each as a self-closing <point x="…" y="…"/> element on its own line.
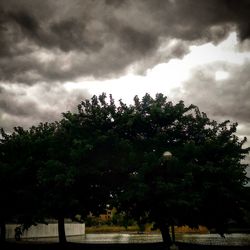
<point x="72" y="35"/>
<point x="115" y="3"/>
<point x="27" y="22"/>
<point x="69" y="34"/>
<point x="196" y="17"/>
<point x="104" y="37"/>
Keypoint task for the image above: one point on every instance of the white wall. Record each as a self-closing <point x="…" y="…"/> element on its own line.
<point x="42" y="230"/>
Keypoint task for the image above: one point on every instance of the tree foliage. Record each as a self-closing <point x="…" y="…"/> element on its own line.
<point x="112" y="153"/>
<point x="202" y="183"/>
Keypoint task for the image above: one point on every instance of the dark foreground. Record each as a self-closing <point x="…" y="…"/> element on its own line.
<point x="134" y="246"/>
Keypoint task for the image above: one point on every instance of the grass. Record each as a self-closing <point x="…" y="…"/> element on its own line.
<point x="120" y="229"/>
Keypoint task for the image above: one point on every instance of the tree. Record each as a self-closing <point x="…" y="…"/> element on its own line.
<point x="57" y="177"/>
<point x="68" y="165"/>
<point x="97" y="152"/>
<point x="201" y="184"/>
<point x="7" y="206"/>
<point x="19" y="164"/>
<point x="108" y="154"/>
<point x="35" y="163"/>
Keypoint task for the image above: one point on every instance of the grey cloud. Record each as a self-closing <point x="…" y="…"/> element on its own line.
<point x="19" y="107"/>
<point x="223" y="99"/>
<point x="115" y="3"/>
<point x="192" y="19"/>
<point x="169" y="50"/>
<point x="136" y="41"/>
<point x="67" y="35"/>
<point x="72" y="35"/>
<point x="105" y="37"/>
<point x="27" y="22"/>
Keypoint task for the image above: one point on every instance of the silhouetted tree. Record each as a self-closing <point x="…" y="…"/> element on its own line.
<point x="19" y="164"/>
<point x="56" y="177"/>
<point x="111" y="154"/>
<point x="38" y="176"/>
<point x="200" y="184"/>
<point x="97" y="152"/>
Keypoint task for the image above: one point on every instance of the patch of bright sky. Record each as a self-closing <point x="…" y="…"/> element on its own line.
<point x="166" y="77"/>
<point x="221" y="75"/>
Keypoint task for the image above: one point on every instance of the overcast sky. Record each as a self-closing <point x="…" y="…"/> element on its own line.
<point x="54" y="53"/>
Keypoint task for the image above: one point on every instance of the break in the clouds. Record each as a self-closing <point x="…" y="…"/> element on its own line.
<point x="47" y="45"/>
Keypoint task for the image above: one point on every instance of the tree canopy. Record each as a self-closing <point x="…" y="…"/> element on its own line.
<point x="203" y="181"/>
<point x="112" y="153"/>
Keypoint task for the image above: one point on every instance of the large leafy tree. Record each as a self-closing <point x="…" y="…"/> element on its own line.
<point x="119" y="149"/>
<point x="109" y="153"/>
<point x="56" y="177"/>
<point x="21" y="157"/>
<point x="203" y="181"/>
<point x="7" y="189"/>
<point x="69" y="167"/>
<point x="97" y="152"/>
<point x="40" y="179"/>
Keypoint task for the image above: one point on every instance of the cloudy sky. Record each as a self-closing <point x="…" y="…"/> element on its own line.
<point x="54" y="53"/>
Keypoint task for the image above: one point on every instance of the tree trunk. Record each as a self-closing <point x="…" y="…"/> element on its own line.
<point x="173" y="234"/>
<point x="164" y="228"/>
<point x="2" y="232"/>
<point x="61" y="230"/>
